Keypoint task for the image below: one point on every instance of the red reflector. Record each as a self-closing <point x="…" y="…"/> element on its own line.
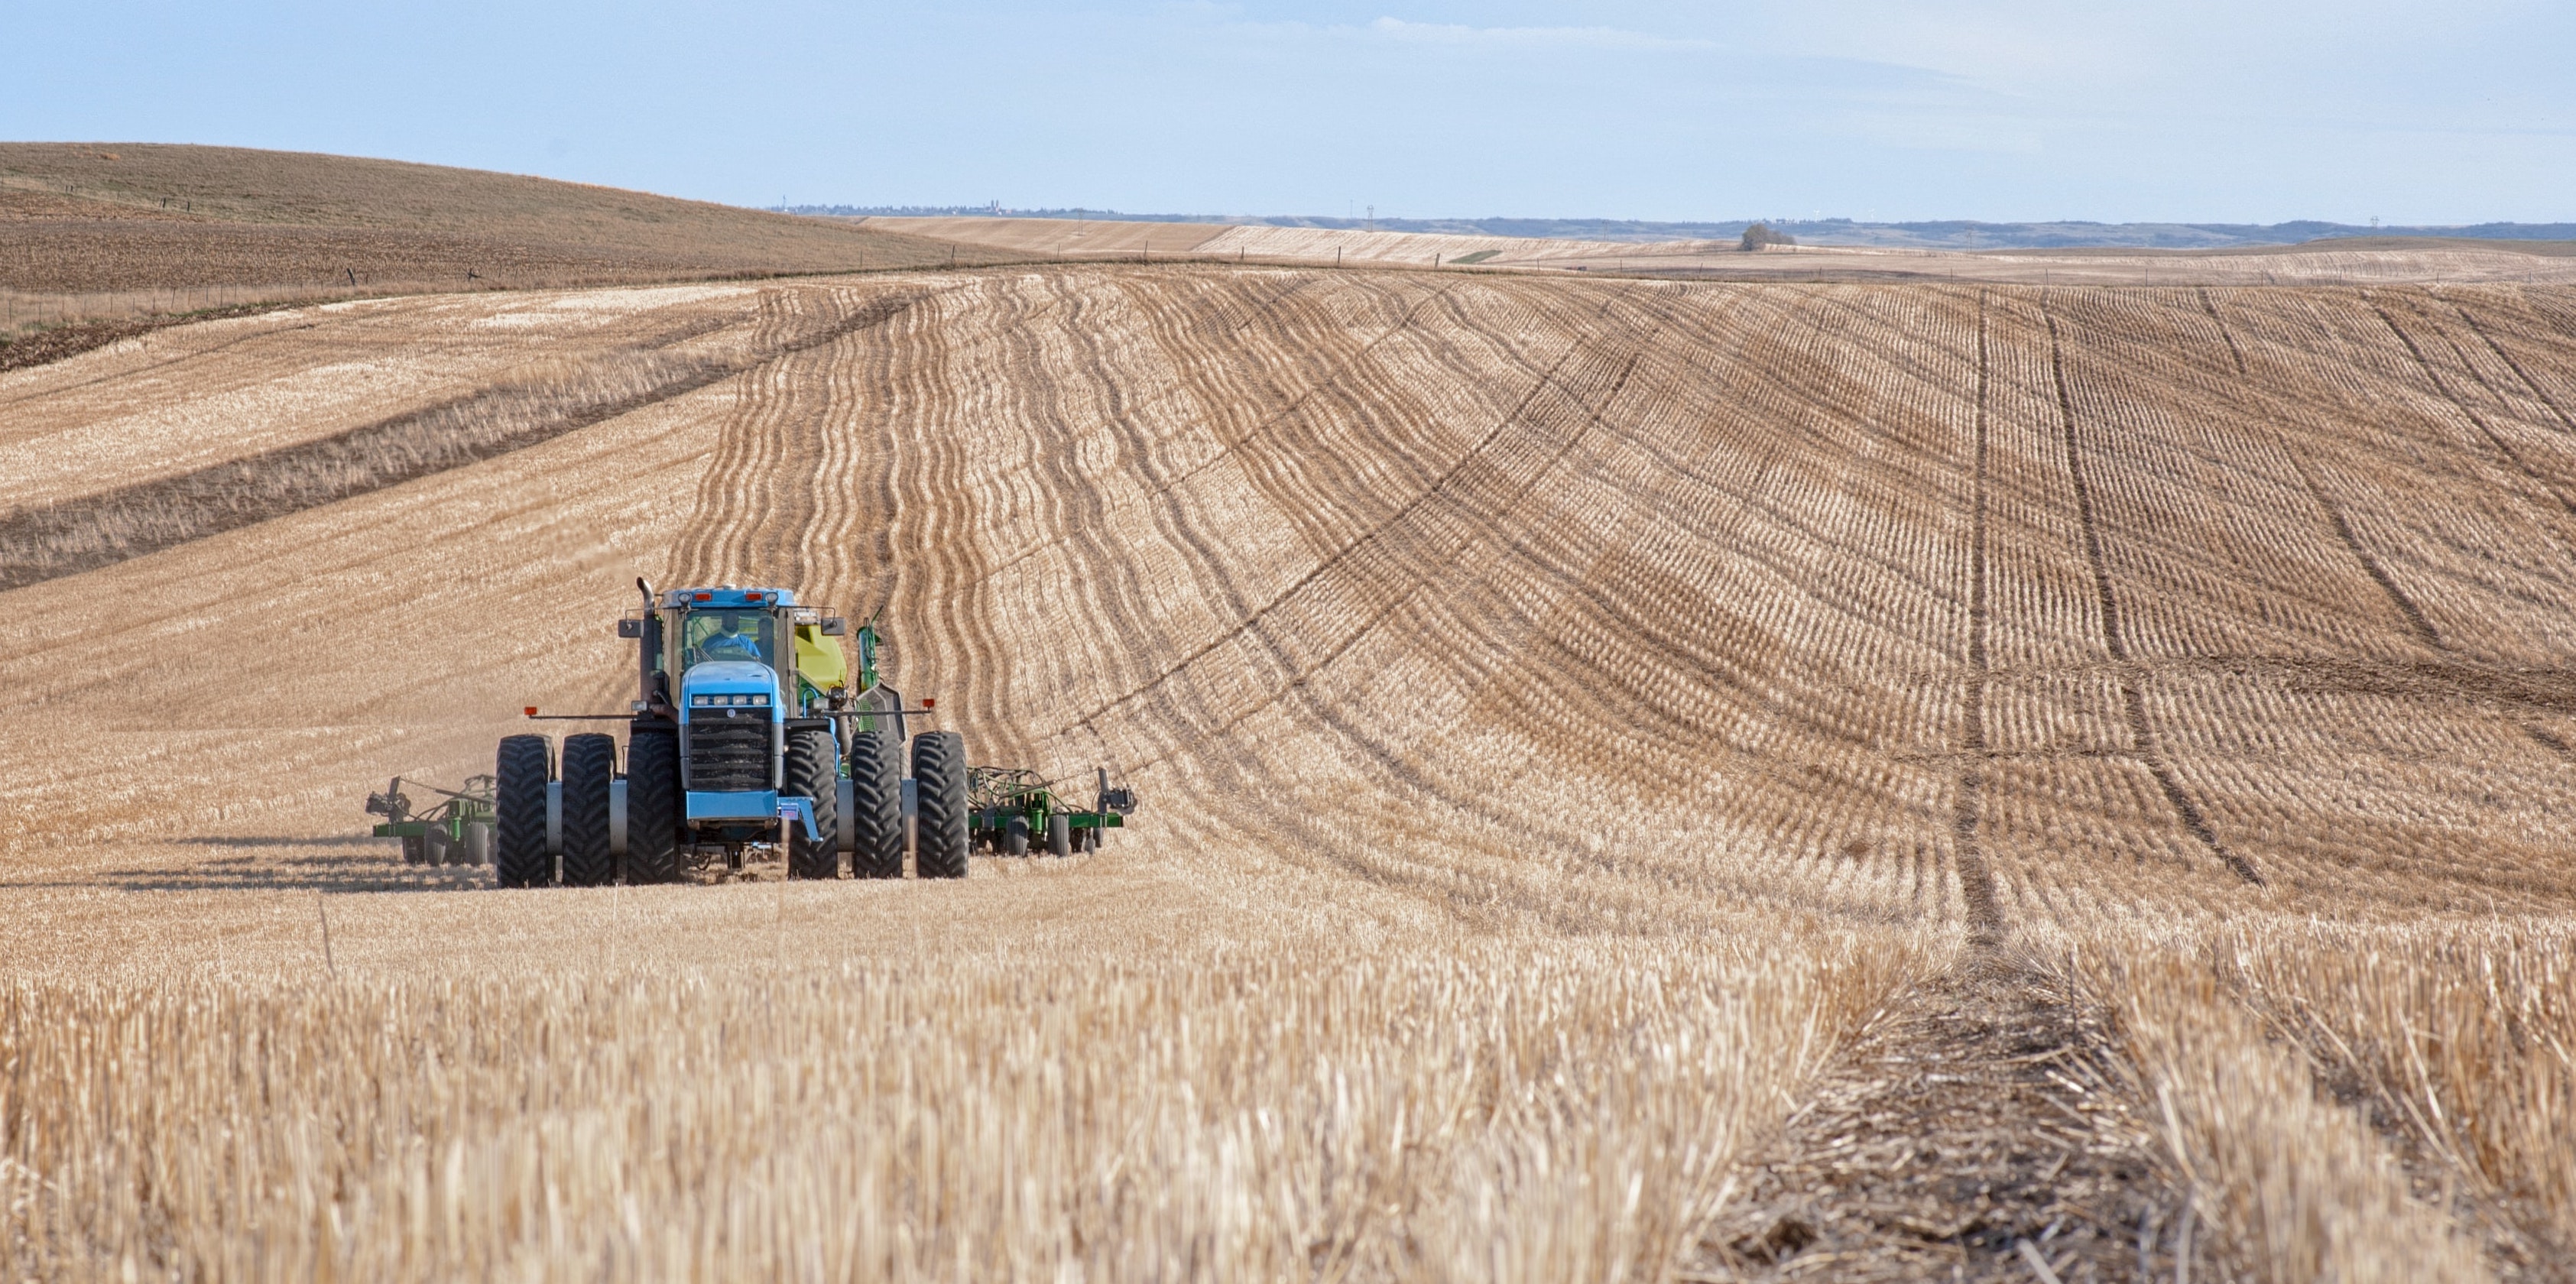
<point x="926" y="703"/>
<point x="532" y="711"/>
<point x="703" y="597"/>
<point x="751" y="597"/>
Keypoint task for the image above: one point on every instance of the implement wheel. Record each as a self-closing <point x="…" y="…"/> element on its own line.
<point x="811" y="774"/>
<point x="525" y="766"/>
<point x="652" y="805"/>
<point x="1015" y="835"/>
<point x="589" y="768"/>
<point x="876" y="799"/>
<point x="939" y="764"/>
<point x="1059" y="834"/>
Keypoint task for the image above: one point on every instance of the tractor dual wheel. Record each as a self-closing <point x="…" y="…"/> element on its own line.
<point x="653" y="805"/>
<point x="589" y="772"/>
<point x="525" y="767"/>
<point x="812" y="775"/>
<point x="939" y="767"/>
<point x="876" y="798"/>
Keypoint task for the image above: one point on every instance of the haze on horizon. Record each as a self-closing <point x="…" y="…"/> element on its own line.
<point x="1870" y="109"/>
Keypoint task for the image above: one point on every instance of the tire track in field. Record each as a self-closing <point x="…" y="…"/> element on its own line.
<point x="2405" y="604"/>
<point x="1250" y="618"/>
<point x="2459" y="403"/>
<point x="2397" y="597"/>
<point x="2133" y="700"/>
<point x="2470" y="319"/>
<point x="1976" y="882"/>
<point x="1300" y="678"/>
<point x="1311" y="452"/>
<point x="1355" y="727"/>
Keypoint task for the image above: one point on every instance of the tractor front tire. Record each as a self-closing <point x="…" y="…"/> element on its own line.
<point x="526" y="765"/>
<point x="589" y="769"/>
<point x="1059" y="834"/>
<point x="939" y="765"/>
<point x="653" y="805"/>
<point x="811" y="775"/>
<point x="876" y="796"/>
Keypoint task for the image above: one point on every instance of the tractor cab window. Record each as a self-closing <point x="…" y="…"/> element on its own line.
<point x="728" y="635"/>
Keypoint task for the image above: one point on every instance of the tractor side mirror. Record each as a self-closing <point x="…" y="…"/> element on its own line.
<point x="834" y="626"/>
<point x="630" y="628"/>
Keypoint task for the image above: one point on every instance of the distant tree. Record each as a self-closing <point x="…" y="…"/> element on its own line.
<point x="1760" y="234"/>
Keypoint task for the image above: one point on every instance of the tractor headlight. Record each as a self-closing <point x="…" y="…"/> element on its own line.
<point x="758" y="699"/>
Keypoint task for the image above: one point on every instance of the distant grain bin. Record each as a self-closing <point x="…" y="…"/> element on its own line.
<point x="1760" y="234"/>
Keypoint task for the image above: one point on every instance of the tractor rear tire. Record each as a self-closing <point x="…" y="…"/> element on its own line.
<point x="526" y="765"/>
<point x="653" y="805"/>
<point x="876" y="795"/>
<point x="1059" y="834"/>
<point x="811" y="775"/>
<point x="939" y="845"/>
<point x="1015" y="834"/>
<point x="589" y="769"/>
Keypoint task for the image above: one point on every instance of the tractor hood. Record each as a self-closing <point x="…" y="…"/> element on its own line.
<point x="728" y="683"/>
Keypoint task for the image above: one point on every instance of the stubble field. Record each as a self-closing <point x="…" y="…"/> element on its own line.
<point x="1643" y="780"/>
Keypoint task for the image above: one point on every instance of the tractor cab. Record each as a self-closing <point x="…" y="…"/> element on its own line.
<point x="752" y="666"/>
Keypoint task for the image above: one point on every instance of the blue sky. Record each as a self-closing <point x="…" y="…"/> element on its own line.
<point x="2189" y="110"/>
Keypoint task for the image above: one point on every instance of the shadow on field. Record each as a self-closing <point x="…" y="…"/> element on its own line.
<point x="351" y="865"/>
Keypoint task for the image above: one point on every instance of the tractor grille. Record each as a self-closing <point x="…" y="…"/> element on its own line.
<point x="728" y="754"/>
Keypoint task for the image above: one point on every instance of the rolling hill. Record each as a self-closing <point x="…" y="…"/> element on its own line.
<point x="86" y="217"/>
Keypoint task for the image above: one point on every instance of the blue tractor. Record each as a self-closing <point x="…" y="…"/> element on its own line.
<point x="749" y="729"/>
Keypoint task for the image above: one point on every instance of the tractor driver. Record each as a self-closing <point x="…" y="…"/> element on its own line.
<point x="728" y="641"/>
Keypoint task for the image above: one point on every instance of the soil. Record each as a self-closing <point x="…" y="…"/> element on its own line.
<point x="1985" y="1123"/>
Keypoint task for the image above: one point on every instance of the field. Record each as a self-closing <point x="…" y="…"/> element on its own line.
<point x="2357" y="261"/>
<point x="1643" y="779"/>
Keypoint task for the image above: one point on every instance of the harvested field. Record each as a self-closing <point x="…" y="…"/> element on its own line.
<point x="2362" y="261"/>
<point x="1643" y="779"/>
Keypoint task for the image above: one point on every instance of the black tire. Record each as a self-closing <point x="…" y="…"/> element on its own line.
<point x="519" y="858"/>
<point x="1015" y="834"/>
<point x="653" y="805"/>
<point x="589" y="768"/>
<point x="1059" y="834"/>
<point x="812" y="774"/>
<point x="876" y="794"/>
<point x="939" y="765"/>
<point x="415" y="848"/>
